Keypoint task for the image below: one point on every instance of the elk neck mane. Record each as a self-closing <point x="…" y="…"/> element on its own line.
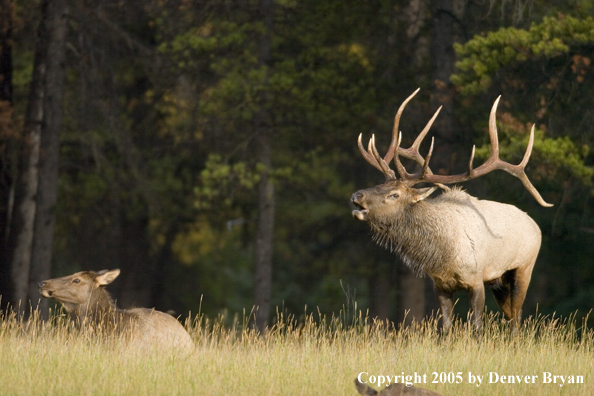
<point x="100" y="308"/>
<point x="422" y="234"/>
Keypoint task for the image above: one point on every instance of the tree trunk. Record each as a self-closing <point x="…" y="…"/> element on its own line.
<point x="164" y="259"/>
<point x="20" y="239"/>
<point x="266" y="202"/>
<point x="443" y="60"/>
<point x="410" y="293"/>
<point x="379" y="287"/>
<point x="138" y="274"/>
<point x="263" y="249"/>
<point x="7" y="141"/>
<point x="6" y="11"/>
<point x="410" y="296"/>
<point x="54" y="18"/>
<point x="48" y="54"/>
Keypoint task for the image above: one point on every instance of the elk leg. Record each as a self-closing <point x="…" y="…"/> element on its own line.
<point x="477" y="305"/>
<point x="502" y="290"/>
<point x="519" y="287"/>
<point x="446" y="304"/>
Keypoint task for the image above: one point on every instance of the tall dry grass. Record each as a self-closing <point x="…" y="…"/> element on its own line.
<point x="312" y="356"/>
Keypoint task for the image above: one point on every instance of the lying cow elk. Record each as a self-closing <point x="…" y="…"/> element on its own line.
<point x="84" y="297"/>
<point x="396" y="389"/>
<point x="460" y="241"/>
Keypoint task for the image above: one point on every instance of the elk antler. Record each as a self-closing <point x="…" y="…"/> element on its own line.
<point x="411" y="153"/>
<point x="425" y="175"/>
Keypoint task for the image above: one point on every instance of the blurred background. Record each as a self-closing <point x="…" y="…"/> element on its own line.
<point x="208" y="148"/>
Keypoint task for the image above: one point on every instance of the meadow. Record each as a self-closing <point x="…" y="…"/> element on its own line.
<point x="310" y="356"/>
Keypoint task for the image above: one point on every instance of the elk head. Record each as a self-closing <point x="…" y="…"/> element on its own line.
<point x="396" y="193"/>
<point x="77" y="289"/>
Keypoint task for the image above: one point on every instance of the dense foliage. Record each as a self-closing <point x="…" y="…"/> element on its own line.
<point x="158" y="173"/>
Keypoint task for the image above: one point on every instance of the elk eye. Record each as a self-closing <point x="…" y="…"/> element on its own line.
<point x="75" y="280"/>
<point x="393" y="196"/>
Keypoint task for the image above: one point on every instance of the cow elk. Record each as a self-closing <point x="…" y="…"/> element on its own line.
<point x="396" y="389"/>
<point x="460" y="241"/>
<point x="85" y="299"/>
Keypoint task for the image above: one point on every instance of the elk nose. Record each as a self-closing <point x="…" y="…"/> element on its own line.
<point x="356" y="197"/>
<point x="40" y="284"/>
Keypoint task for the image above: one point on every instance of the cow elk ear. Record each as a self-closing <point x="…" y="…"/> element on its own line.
<point x="422" y="193"/>
<point x="106" y="277"/>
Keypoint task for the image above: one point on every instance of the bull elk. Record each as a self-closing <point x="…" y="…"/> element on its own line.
<point x="460" y="241"/>
<point x="85" y="299"/>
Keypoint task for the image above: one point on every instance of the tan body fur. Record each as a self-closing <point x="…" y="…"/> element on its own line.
<point x="84" y="297"/>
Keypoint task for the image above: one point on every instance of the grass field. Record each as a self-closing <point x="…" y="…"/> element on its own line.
<point x="314" y="356"/>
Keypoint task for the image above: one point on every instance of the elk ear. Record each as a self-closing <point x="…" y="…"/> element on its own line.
<point x="364" y="389"/>
<point x="422" y="193"/>
<point x="106" y="277"/>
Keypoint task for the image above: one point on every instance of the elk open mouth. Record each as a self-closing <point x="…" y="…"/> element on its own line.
<point x="361" y="212"/>
<point x="46" y="293"/>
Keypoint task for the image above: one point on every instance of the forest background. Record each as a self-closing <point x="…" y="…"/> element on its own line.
<point x="208" y="148"/>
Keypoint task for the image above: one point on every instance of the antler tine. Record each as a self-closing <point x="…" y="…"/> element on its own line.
<point x="385" y="168"/>
<point x="518" y="171"/>
<point x="493" y="129"/>
<point x="413" y="153"/>
<point x="528" y="149"/>
<point x="417" y="177"/>
<point x="427" y="158"/>
<point x="404" y="175"/>
<point x="471" y="160"/>
<point x="390" y="153"/>
<point x="494" y="162"/>
<point x="366" y="154"/>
